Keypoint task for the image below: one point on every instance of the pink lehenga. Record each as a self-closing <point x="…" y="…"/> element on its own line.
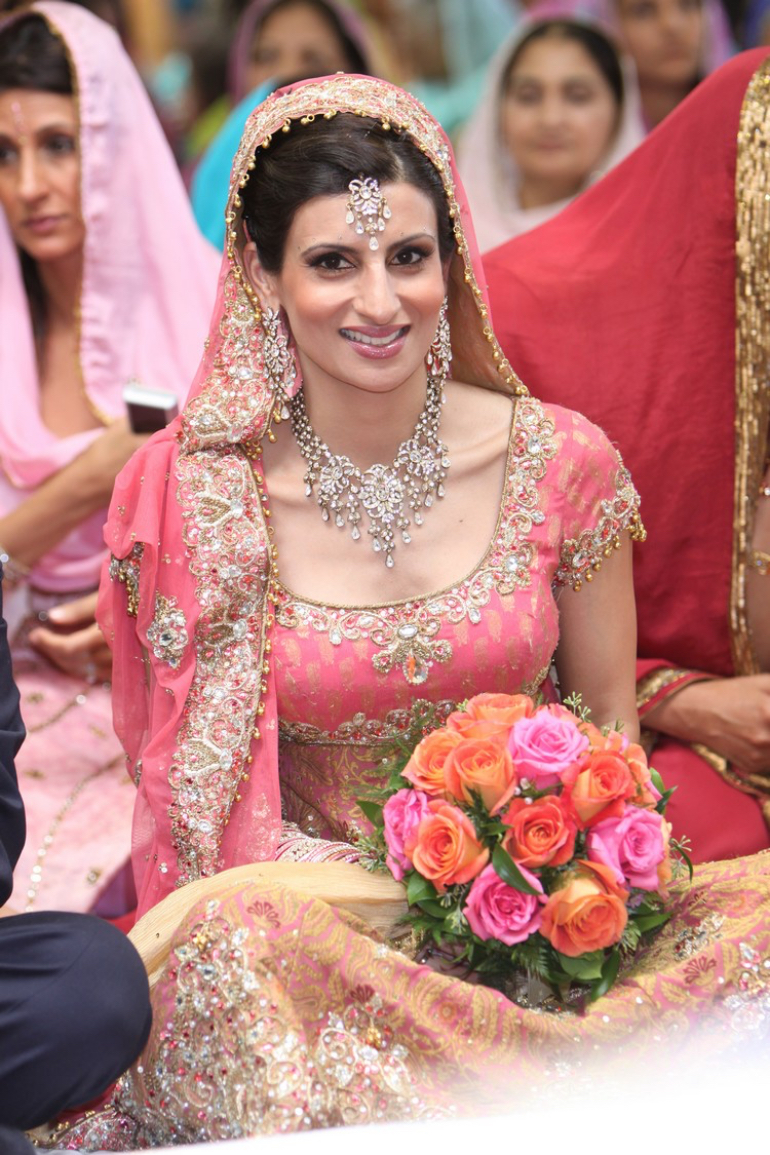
<point x="277" y="1011"/>
<point x="149" y="280"/>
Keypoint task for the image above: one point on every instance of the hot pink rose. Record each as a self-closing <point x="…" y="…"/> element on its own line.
<point x="403" y="812"/>
<point x="544" y="746"/>
<point x="633" y="846"/>
<point x="496" y="910"/>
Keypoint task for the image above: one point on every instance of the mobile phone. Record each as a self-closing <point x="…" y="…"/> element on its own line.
<point x="148" y="409"/>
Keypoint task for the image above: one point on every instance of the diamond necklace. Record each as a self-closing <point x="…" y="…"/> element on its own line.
<point x="389" y="495"/>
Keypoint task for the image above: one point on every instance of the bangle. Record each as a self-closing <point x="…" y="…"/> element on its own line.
<point x="760" y="562"/>
<point x="13" y="571"/>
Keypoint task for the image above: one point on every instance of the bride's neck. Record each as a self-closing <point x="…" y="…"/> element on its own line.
<point x="365" y="426"/>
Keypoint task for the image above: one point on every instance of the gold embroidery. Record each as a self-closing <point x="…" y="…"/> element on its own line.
<point x="582" y="557"/>
<point x="406" y="633"/>
<point x="752" y="363"/>
<point x="167" y="633"/>
<point x="651" y="684"/>
<point x="360" y="730"/>
<point x="126" y="570"/>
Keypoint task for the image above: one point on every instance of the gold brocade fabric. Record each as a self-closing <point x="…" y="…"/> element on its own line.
<point x="278" y="1013"/>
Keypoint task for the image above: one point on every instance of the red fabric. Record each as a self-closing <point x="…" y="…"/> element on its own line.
<point x="623" y="307"/>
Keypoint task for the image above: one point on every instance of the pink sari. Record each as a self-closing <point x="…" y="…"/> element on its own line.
<point x="276" y="1012"/>
<point x="148" y="284"/>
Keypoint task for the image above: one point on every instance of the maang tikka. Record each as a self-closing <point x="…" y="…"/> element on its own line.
<point x="389" y="496"/>
<point x="368" y="210"/>
<point x="280" y="369"/>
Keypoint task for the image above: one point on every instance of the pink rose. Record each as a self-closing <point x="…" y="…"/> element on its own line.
<point x="632" y="846"/>
<point x="496" y="910"/>
<point x="544" y="746"/>
<point x="403" y="812"/>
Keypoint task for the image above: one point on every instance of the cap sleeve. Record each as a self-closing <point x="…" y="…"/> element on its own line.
<point x="600" y="503"/>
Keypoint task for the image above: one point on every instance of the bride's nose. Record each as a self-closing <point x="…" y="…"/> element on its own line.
<point x="376" y="298"/>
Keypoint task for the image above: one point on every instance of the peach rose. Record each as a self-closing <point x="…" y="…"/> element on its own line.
<point x="646" y="794"/>
<point x="589" y="913"/>
<point x="664" y="870"/>
<point x="444" y="847"/>
<point x="488" y="714"/>
<point x="425" y="769"/>
<point x="599" y="785"/>
<point x="483" y="766"/>
<point x="542" y="832"/>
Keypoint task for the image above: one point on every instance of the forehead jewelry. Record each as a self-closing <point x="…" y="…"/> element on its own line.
<point x="367" y="209"/>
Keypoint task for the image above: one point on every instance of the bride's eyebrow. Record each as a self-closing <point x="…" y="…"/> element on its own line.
<point x="345" y="250"/>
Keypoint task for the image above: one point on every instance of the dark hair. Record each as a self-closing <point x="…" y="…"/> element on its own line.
<point x="321" y="159"/>
<point x="32" y="57"/>
<point x="352" y="52"/>
<point x="598" y="46"/>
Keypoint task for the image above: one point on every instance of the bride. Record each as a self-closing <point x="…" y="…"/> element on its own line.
<point x="360" y="507"/>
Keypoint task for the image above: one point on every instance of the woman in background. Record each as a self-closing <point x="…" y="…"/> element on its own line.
<point x="559" y="110"/>
<point x="658" y="293"/>
<point x="96" y="289"/>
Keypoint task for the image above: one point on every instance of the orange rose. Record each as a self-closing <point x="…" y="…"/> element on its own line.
<point x="589" y="913"/>
<point x="599" y="785"/>
<point x="425" y="769"/>
<point x="483" y="766"/>
<point x="541" y="834"/>
<point x="486" y="715"/>
<point x="664" y="868"/>
<point x="444" y="847"/>
<point x="645" y="793"/>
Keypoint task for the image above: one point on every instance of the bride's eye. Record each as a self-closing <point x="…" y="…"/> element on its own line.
<point x="331" y="262"/>
<point x="413" y="255"/>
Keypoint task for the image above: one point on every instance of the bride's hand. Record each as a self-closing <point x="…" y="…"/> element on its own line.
<point x="74" y="642"/>
<point x="729" y="715"/>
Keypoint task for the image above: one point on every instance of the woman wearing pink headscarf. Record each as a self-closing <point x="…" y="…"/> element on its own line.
<point x="103" y="279"/>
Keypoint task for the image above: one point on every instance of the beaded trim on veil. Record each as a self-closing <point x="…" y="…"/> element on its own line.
<point x="225" y="750"/>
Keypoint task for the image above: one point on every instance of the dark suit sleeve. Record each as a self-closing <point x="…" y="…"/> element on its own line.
<point x="12" y="826"/>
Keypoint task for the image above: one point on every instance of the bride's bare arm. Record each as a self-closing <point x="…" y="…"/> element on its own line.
<point x="67" y="498"/>
<point x="597" y="647"/>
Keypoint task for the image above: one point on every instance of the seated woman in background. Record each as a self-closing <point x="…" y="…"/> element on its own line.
<point x="559" y="110"/>
<point x="99" y="286"/>
<point x="660" y="301"/>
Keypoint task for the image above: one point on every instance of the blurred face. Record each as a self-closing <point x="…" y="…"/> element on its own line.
<point x="664" y="37"/>
<point x="558" y="114"/>
<point x="359" y="317"/>
<point x="40" y="173"/>
<point x="295" y="41"/>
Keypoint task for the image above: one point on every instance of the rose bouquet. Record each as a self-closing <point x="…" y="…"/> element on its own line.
<point x="529" y="840"/>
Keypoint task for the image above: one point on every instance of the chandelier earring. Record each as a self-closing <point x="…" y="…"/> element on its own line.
<point x="280" y="369"/>
<point x="439" y="357"/>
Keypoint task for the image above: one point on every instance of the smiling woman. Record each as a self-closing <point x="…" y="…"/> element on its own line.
<point x="88" y="300"/>
<point x="560" y="109"/>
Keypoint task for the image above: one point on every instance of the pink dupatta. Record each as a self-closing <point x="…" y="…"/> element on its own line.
<point x="192" y="553"/>
<point x="148" y="282"/>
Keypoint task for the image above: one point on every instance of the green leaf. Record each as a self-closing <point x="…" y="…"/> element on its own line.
<point x="373" y="812"/>
<point x="650" y="921"/>
<point x="679" y="849"/>
<point x="418" y="889"/>
<point x="584" y="967"/>
<point x="507" y="869"/>
<point x="608" y="976"/>
<point x="433" y="908"/>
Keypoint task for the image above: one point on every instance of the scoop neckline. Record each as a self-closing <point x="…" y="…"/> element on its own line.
<point x="445" y="590"/>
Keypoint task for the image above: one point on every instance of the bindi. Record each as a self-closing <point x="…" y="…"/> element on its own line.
<point x="368" y="209"/>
